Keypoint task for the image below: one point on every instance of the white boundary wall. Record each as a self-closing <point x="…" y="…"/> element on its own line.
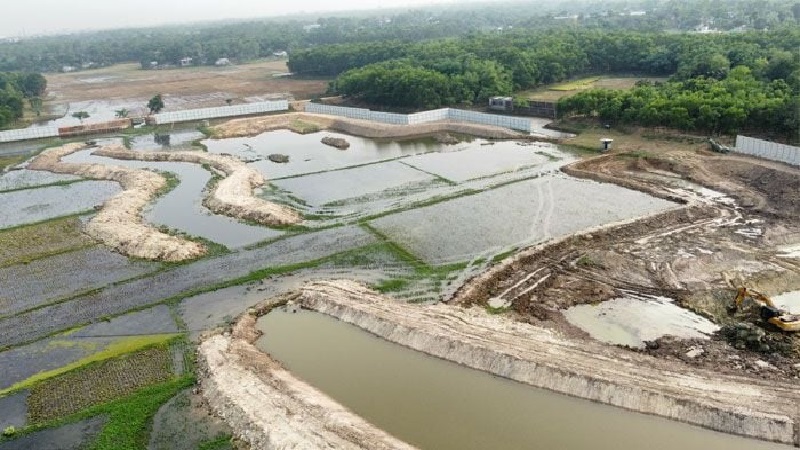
<point x="23" y="134"/>
<point x="222" y="111"/>
<point x="515" y="123"/>
<point x="768" y="150"/>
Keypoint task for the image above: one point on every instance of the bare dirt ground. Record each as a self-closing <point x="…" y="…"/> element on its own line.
<point x="688" y="254"/>
<point x="185" y="88"/>
<point x="306" y="122"/>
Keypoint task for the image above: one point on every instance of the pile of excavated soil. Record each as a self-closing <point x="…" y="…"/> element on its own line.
<point x="233" y="195"/>
<point x="119" y="223"/>
<point x="257" y="125"/>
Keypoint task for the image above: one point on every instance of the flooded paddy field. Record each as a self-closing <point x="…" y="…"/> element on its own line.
<point x="46" y="280"/>
<point x="126" y="331"/>
<point x="323" y="188"/>
<point x="512" y="216"/>
<point x="308" y="155"/>
<point x="181" y="208"/>
<point x="72" y="436"/>
<point x="24" y="179"/>
<point x="482" y="158"/>
<point x="435" y="404"/>
<point x="36" y="205"/>
<point x="117" y="299"/>
<point x="14" y="410"/>
<point x="28" y="243"/>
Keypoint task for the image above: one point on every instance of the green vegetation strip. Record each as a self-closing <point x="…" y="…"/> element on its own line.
<point x="23" y="244"/>
<point x="99" y="383"/>
<point x="114" y="350"/>
<point x="6" y="161"/>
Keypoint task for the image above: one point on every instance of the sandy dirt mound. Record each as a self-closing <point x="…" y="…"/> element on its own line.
<point x="257" y="125"/>
<point x="119" y="223"/>
<point x="233" y="195"/>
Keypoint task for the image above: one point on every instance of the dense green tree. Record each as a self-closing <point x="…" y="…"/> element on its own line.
<point x="156" y="104"/>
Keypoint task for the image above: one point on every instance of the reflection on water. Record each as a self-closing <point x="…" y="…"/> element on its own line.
<point x="438" y="405"/>
<point x="307" y="154"/>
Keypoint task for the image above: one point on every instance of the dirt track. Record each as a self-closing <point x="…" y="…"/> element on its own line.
<point x="194" y="87"/>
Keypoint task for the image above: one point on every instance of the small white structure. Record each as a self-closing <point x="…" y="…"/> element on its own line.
<point x="186" y="61"/>
<point x="606" y="142"/>
<point x="223" y="62"/>
<point x="280" y="54"/>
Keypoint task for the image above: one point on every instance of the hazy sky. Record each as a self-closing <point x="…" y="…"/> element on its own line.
<point x="50" y="16"/>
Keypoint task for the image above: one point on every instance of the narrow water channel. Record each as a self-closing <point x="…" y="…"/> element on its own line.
<point x="438" y="405"/>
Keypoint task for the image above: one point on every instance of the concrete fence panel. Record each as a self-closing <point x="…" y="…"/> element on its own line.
<point x="768" y="150"/>
<point x="222" y="111"/>
<point x="514" y="123"/>
<point x="28" y="133"/>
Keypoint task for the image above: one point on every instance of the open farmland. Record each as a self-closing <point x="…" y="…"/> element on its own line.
<point x="127" y="86"/>
<point x="554" y="92"/>
<point x="28" y="243"/>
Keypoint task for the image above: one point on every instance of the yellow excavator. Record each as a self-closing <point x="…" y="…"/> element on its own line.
<point x="767" y="310"/>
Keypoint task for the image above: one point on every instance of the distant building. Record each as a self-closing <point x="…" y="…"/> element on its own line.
<point x="281" y="54"/>
<point x="501" y="103"/>
<point x="223" y="62"/>
<point x="309" y="28"/>
<point x="186" y="61"/>
<point x="638" y="13"/>
<point x="68" y="69"/>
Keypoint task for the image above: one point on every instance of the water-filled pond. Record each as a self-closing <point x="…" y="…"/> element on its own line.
<point x="307" y="154"/>
<point x="634" y="319"/>
<point x="435" y="404"/>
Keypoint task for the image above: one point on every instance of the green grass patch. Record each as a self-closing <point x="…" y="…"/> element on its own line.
<point x="222" y="442"/>
<point x="116" y="349"/>
<point x="27" y="243"/>
<point x="99" y="383"/>
<point x="129" y="418"/>
<point x="6" y="161"/>
<point x="302" y="127"/>
<point x="393" y="285"/>
<point x="496" y="311"/>
<point x="583" y="83"/>
<point x="501" y="256"/>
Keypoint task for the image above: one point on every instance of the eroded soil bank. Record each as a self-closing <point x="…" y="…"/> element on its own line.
<point x="305" y="121"/>
<point x="268" y="407"/>
<point x="529" y="354"/>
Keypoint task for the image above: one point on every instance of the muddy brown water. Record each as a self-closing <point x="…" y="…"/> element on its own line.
<point x="436" y="404"/>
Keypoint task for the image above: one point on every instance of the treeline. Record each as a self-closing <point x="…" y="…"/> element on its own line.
<point x="245" y="41"/>
<point x="469" y="70"/>
<point x="739" y="101"/>
<point x="15" y="88"/>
